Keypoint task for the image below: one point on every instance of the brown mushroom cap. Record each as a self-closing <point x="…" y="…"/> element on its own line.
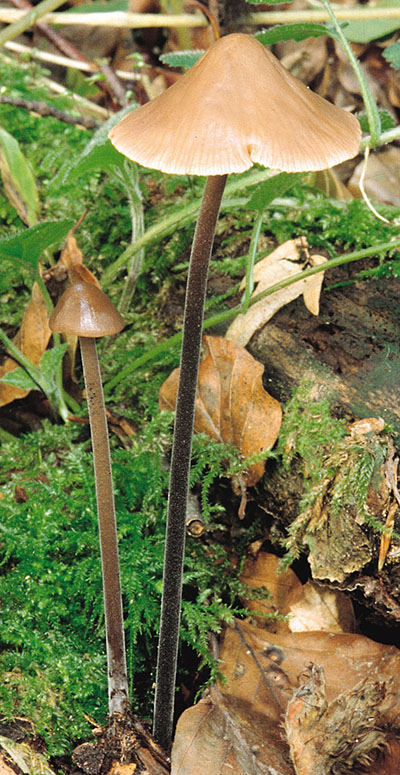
<point x="235" y="107"/>
<point x="84" y="310"/>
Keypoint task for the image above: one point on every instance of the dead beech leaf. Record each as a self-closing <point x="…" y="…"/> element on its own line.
<point x="284" y="262"/>
<point x="72" y="259"/>
<point x="313" y="285"/>
<point x="381" y="180"/>
<point x="308" y="607"/>
<point x="238" y="727"/>
<point x="32" y="339"/>
<point x="285" y="590"/>
<point x="231" y="403"/>
<point x="321" y="608"/>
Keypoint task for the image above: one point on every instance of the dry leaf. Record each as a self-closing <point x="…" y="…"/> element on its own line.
<point x="32" y="339"/>
<point x="72" y="259"/>
<point x="308" y="607"/>
<point x="382" y="177"/>
<point x="321" y="608"/>
<point x="284" y="262"/>
<point x="284" y="588"/>
<point x="238" y="728"/>
<point x="231" y="403"/>
<point x="313" y="285"/>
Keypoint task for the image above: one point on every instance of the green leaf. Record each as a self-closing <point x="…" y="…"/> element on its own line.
<point x="276" y="186"/>
<point x="21" y="379"/>
<point x="182" y="58"/>
<point x="98" y="6"/>
<point x="26" y="247"/>
<point x="98" y="154"/>
<point x="365" y="30"/>
<point x="293" y="32"/>
<point x="387" y="121"/>
<point x="18" y="179"/>
<point x="392" y="54"/>
<point x="50" y="361"/>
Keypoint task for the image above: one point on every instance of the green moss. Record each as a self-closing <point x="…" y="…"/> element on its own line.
<point x="52" y="663"/>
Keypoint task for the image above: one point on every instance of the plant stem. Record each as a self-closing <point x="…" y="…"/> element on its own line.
<point x="28" y="20"/>
<point x="255" y="235"/>
<point x="180" y="461"/>
<point x="371" y="108"/>
<point x="116" y="659"/>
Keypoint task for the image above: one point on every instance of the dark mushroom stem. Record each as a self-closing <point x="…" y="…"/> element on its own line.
<point x="116" y="660"/>
<point x="180" y="461"/>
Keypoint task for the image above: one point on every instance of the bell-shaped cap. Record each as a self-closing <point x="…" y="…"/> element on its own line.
<point x="235" y="107"/>
<point x="84" y="310"/>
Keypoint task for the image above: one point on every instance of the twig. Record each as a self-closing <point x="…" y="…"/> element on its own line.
<point x="106" y="19"/>
<point x="43" y="109"/>
<point x="63" y="61"/>
<point x="142" y="21"/>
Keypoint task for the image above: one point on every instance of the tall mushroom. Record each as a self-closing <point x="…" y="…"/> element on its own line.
<point x="237" y="106"/>
<point x="85" y="311"/>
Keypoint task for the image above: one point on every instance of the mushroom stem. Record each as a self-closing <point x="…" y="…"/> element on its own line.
<point x="116" y="660"/>
<point x="180" y="461"/>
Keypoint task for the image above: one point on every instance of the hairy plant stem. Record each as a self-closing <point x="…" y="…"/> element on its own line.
<point x="371" y="108"/>
<point x="180" y="461"/>
<point x="115" y="640"/>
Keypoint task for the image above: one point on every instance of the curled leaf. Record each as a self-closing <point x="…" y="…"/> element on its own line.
<point x="231" y="403"/>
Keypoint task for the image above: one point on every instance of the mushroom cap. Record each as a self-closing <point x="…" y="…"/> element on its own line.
<point x="235" y="107"/>
<point x="84" y="310"/>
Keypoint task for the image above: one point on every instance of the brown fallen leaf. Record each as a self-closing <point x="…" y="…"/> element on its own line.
<point x="238" y="728"/>
<point x="321" y="608"/>
<point x="72" y="258"/>
<point x="307" y="607"/>
<point x="231" y="403"/>
<point x="284" y="588"/>
<point x="381" y="180"/>
<point x="32" y="339"/>
<point x="284" y="262"/>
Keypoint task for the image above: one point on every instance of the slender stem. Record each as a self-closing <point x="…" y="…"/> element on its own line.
<point x="255" y="235"/>
<point x="116" y="659"/>
<point x="374" y="121"/>
<point x="180" y="462"/>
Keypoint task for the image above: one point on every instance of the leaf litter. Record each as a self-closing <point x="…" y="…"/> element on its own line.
<point x="295" y="703"/>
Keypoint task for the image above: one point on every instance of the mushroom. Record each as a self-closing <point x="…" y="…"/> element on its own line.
<point x="236" y="106"/>
<point x="85" y="311"/>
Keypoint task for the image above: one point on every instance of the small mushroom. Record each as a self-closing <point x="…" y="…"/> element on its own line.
<point x="84" y="310"/>
<point x="237" y="106"/>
